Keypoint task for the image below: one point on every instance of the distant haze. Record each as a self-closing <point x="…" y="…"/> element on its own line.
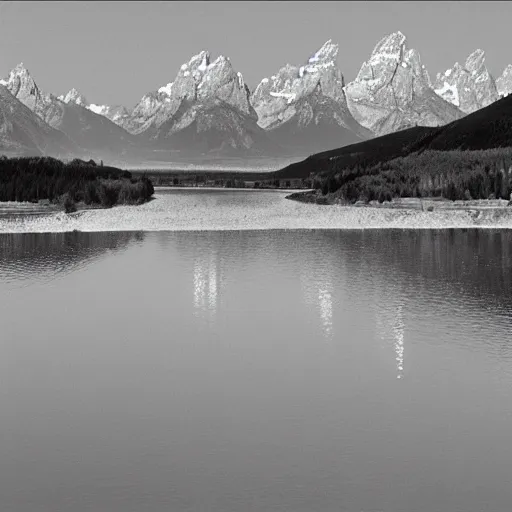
<point x="115" y="52"/>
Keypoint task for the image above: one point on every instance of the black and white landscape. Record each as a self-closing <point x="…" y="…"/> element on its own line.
<point x="208" y="109"/>
<point x="255" y="256"/>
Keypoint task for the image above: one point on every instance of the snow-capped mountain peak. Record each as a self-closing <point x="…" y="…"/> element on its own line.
<point x="20" y="69"/>
<point x="328" y="52"/>
<point x="469" y="87"/>
<point x="475" y="61"/>
<point x="298" y="98"/>
<point x="73" y="96"/>
<point x="393" y="90"/>
<point x="504" y="82"/>
<point x="199" y="81"/>
<point x="292" y="83"/>
<point x="20" y="74"/>
<point x="20" y="84"/>
<point x="390" y="47"/>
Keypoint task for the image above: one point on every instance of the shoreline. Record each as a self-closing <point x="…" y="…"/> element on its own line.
<point x="268" y="210"/>
<point x="411" y="203"/>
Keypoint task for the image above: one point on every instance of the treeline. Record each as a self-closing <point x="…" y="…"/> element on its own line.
<point x="453" y="175"/>
<point x="38" y="178"/>
<point x="228" y="180"/>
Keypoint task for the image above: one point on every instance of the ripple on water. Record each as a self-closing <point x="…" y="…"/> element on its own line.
<point x="31" y="258"/>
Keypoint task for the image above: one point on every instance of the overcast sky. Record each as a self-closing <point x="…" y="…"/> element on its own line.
<point x="114" y="52"/>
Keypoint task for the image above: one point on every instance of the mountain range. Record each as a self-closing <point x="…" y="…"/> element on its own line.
<point x="487" y="128"/>
<point x="208" y="109"/>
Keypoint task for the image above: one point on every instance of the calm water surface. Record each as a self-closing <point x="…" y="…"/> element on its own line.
<point x="244" y="371"/>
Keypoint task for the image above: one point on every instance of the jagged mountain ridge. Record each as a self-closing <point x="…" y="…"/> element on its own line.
<point x="199" y="80"/>
<point x="93" y="133"/>
<point x="208" y="107"/>
<point x="469" y="87"/>
<point x="115" y="113"/>
<point x="22" y="132"/>
<point x="305" y="107"/>
<point x="504" y="82"/>
<point x="393" y="91"/>
<point x="487" y="128"/>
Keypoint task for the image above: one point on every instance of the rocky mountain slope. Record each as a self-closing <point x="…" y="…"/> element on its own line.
<point x="23" y="133"/>
<point x="304" y="108"/>
<point x="469" y="87"/>
<point x="116" y="113"/>
<point x="206" y="108"/>
<point x="94" y="133"/>
<point x="209" y="110"/>
<point x="487" y="128"/>
<point x="393" y="90"/>
<point x="504" y="82"/>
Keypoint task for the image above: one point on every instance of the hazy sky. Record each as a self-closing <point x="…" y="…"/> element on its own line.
<point x="114" y="52"/>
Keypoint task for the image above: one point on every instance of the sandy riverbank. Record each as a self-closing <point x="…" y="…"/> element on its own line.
<point x="228" y="209"/>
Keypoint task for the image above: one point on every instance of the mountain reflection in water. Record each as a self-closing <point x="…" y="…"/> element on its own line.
<point x="256" y="370"/>
<point x="45" y="256"/>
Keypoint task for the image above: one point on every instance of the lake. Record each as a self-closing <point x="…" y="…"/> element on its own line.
<point x="256" y="370"/>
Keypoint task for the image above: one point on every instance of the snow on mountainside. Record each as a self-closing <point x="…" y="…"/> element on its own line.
<point x="393" y="90"/>
<point x="115" y="113"/>
<point x="21" y="85"/>
<point x="205" y="108"/>
<point x="504" y="82"/>
<point x="470" y="87"/>
<point x="305" y="106"/>
<point x="300" y="110"/>
<point x="23" y="133"/>
<point x="200" y="81"/>
<point x="75" y="97"/>
<point x="92" y="132"/>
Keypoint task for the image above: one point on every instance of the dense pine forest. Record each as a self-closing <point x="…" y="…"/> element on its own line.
<point x="470" y="158"/>
<point x="39" y="178"/>
<point x="454" y="175"/>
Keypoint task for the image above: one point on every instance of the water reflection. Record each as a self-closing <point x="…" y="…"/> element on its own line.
<point x="451" y="272"/>
<point x="398" y="330"/>
<point x="317" y="293"/>
<point x="447" y="273"/>
<point x="390" y="326"/>
<point x="317" y="277"/>
<point x="202" y="261"/>
<point x="325" y="304"/>
<point x="206" y="283"/>
<point x="105" y="415"/>
<point x="42" y="257"/>
<point x="460" y="278"/>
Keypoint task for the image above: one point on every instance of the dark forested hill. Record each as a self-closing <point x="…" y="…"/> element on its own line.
<point x="490" y="127"/>
<point x="468" y="158"/>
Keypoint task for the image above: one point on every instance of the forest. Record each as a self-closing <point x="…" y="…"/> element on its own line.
<point x="453" y="175"/>
<point x="37" y="178"/>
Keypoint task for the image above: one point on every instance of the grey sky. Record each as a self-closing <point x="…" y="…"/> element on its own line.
<point x="114" y="52"/>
